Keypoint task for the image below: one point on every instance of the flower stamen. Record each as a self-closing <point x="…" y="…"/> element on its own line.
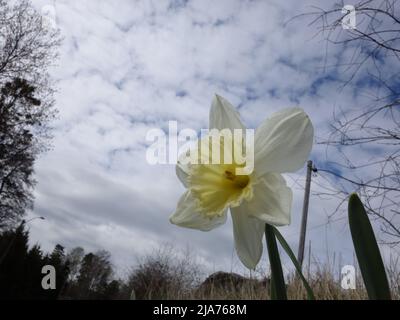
<point x="240" y="182"/>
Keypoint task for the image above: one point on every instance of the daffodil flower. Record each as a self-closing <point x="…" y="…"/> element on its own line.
<point x="282" y="144"/>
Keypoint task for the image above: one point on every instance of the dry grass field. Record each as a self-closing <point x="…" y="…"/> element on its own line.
<point x="167" y="276"/>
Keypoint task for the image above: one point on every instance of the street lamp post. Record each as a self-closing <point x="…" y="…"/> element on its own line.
<point x="5" y="253"/>
<point x="23" y="221"/>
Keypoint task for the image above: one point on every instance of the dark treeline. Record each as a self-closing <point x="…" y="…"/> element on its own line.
<point x="79" y="275"/>
<point x="165" y="273"/>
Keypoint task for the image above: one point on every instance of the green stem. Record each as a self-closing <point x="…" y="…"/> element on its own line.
<point x="292" y="257"/>
<point x="278" y="287"/>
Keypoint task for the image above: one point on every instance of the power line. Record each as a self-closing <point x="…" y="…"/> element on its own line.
<point x="355" y="182"/>
<point x="318" y="226"/>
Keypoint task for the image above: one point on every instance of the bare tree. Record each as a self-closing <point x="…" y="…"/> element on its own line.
<point x="28" y="47"/>
<point x="369" y="62"/>
<point x="164" y="274"/>
<point x="74" y="258"/>
<point x="28" y="44"/>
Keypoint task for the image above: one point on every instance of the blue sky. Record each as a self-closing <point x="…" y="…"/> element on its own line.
<point x="129" y="66"/>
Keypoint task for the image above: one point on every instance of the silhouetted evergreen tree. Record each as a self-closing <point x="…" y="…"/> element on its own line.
<point x="33" y="274"/>
<point x="58" y="261"/>
<point x="14" y="249"/>
<point x="21" y="268"/>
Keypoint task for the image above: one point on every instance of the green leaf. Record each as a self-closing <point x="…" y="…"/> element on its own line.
<point x="292" y="257"/>
<point x="367" y="251"/>
<point x="278" y="287"/>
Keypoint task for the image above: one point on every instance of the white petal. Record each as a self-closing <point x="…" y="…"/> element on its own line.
<point x="272" y="200"/>
<point x="182" y="175"/>
<point x="182" y="171"/>
<point x="223" y="115"/>
<point x="283" y="142"/>
<point x="248" y="233"/>
<point x="186" y="215"/>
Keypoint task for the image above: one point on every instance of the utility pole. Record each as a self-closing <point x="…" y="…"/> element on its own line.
<point x="300" y="256"/>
